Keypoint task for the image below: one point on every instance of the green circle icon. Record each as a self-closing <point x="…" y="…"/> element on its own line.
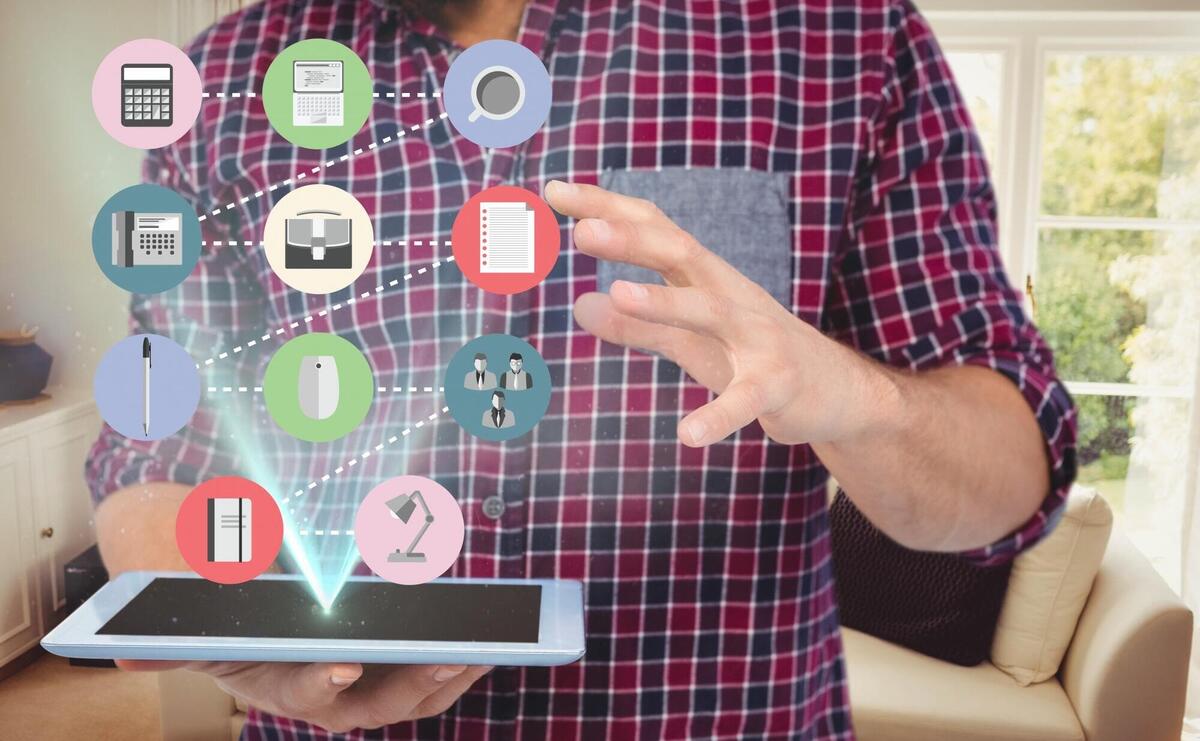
<point x="317" y="93"/>
<point x="318" y="387"/>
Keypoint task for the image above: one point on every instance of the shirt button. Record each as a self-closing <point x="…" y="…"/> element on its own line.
<point x="493" y="507"/>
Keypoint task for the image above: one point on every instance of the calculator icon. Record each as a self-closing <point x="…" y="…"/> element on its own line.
<point x="147" y="95"/>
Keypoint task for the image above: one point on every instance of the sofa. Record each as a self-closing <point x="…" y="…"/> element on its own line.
<point x="1123" y="678"/>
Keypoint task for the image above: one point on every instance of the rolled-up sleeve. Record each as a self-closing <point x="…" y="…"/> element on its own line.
<point x="918" y="281"/>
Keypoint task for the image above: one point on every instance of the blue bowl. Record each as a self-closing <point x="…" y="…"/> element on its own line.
<point x="24" y="370"/>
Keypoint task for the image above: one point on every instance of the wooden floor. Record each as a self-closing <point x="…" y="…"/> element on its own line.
<point x="51" y="700"/>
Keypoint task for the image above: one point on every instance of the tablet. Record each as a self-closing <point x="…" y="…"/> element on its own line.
<point x="166" y="615"/>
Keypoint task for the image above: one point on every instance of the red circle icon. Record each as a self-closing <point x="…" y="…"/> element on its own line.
<point x="229" y="530"/>
<point x="505" y="239"/>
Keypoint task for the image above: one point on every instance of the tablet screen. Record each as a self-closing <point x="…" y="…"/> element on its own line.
<point x="500" y="613"/>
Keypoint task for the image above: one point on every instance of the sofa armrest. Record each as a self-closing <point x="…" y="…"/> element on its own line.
<point x="1126" y="669"/>
<point x="194" y="708"/>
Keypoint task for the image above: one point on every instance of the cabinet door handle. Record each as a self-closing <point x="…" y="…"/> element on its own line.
<point x="47" y="532"/>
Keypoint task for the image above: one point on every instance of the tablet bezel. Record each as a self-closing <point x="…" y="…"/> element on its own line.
<point x="560" y="633"/>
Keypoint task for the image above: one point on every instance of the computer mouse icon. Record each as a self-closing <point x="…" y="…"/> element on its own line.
<point x="318" y="389"/>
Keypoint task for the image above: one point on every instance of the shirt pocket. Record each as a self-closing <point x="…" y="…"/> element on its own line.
<point x="741" y="215"/>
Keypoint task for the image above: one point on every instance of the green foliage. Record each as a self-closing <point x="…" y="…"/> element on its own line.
<point x="1085" y="318"/>
<point x="1117" y="128"/>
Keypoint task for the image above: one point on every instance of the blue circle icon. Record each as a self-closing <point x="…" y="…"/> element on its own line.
<point x="497" y="93"/>
<point x="497" y="387"/>
<point x="146" y="387"/>
<point x="146" y="239"/>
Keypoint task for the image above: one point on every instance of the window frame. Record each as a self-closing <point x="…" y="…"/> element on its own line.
<point x="1027" y="38"/>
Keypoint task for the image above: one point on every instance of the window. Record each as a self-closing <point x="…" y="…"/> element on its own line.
<point x="1118" y="261"/>
<point x="984" y="70"/>
<point x="1103" y="171"/>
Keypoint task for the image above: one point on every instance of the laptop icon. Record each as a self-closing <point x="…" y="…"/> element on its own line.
<point x="317" y="93"/>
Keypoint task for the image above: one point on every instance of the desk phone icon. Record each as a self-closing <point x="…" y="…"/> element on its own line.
<point x="146" y="239"/>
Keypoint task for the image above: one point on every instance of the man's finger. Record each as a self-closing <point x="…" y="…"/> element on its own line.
<point x="309" y="686"/>
<point x="440" y="701"/>
<point x="700" y="356"/>
<point x="693" y="309"/>
<point x="669" y="251"/>
<point x="582" y="201"/>
<point x="737" y="406"/>
<point x="389" y="694"/>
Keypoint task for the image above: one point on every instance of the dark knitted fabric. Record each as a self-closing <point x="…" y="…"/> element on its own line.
<point x="935" y="603"/>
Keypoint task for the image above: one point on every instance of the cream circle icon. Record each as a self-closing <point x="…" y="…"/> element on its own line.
<point x="318" y="239"/>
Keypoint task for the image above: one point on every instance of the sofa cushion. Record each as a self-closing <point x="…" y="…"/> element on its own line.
<point x="899" y="695"/>
<point x="1048" y="588"/>
<point x="937" y="603"/>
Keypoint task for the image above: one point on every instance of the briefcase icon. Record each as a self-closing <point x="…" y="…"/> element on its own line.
<point x="317" y="239"/>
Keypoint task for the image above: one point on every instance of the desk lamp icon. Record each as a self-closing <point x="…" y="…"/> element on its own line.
<point x="403" y="507"/>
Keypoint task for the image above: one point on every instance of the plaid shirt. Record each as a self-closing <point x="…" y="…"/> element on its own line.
<point x="710" y="602"/>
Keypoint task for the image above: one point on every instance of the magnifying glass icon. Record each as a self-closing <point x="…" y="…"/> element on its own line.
<point x="497" y="93"/>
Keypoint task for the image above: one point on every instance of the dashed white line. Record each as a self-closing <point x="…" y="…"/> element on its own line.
<point x="435" y="94"/>
<point x="377" y="243"/>
<point x="410" y="389"/>
<point x="366" y="454"/>
<point x="302" y="175"/>
<point x="326" y="312"/>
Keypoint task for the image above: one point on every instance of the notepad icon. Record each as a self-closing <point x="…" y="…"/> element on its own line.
<point x="228" y="530"/>
<point x="505" y="237"/>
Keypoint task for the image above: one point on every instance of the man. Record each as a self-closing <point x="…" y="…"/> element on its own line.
<point x="480" y="379"/>
<point x="497" y="418"/>
<point x="790" y="190"/>
<point x="515" y="378"/>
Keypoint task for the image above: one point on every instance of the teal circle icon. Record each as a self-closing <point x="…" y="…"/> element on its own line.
<point x="317" y="93"/>
<point x="497" y="387"/>
<point x="146" y="239"/>
<point x="318" y="387"/>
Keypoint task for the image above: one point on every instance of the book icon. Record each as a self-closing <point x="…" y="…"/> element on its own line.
<point x="505" y="237"/>
<point x="228" y="530"/>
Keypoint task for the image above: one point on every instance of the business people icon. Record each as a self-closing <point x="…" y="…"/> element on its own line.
<point x="500" y="404"/>
<point x="479" y="378"/>
<point x="516" y="378"/>
<point x="498" y="418"/>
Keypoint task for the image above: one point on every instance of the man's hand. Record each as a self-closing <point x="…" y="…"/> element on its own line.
<point x="336" y="697"/>
<point x="721" y="328"/>
<point x="136" y="530"/>
<point x="948" y="459"/>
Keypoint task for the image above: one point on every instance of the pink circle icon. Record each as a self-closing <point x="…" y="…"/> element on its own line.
<point x="146" y="93"/>
<point x="409" y="530"/>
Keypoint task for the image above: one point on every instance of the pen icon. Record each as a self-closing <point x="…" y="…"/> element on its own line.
<point x="146" y="386"/>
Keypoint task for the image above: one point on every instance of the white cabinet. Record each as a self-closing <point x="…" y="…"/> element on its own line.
<point x="45" y="512"/>
<point x="64" y="514"/>
<point x="20" y="621"/>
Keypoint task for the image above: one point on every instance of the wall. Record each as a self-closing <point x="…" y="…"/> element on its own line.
<point x="1054" y="6"/>
<point x="58" y="169"/>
